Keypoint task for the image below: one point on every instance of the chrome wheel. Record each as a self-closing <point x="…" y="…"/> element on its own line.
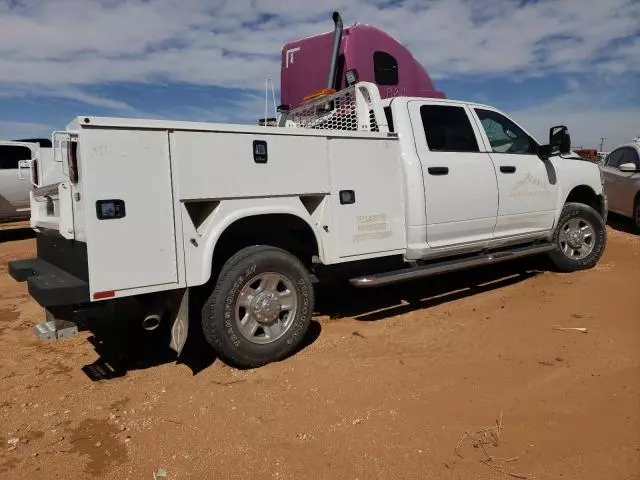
<point x="266" y="307"/>
<point x="577" y="238"/>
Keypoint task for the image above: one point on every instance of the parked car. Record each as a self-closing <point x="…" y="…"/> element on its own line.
<point x="621" y="171"/>
<point x="25" y="164"/>
<point x="15" y="179"/>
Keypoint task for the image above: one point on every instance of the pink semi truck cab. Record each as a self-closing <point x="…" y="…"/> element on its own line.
<point x="368" y="53"/>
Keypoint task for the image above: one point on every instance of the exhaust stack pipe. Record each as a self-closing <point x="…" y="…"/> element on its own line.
<point x="151" y="322"/>
<point x="335" y="50"/>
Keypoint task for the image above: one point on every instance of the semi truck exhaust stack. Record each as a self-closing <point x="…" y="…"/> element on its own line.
<point x="335" y="50"/>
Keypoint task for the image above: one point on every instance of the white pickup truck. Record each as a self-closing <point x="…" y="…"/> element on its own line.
<point x="248" y="218"/>
<point x="24" y="164"/>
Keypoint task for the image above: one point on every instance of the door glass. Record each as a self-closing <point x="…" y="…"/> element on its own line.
<point x="448" y="129"/>
<point x="504" y="135"/>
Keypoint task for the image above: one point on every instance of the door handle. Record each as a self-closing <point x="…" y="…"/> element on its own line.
<point x="508" y="169"/>
<point x="438" y="170"/>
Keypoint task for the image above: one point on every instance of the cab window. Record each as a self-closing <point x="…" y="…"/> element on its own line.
<point x="11" y="155"/>
<point x="504" y="135"/>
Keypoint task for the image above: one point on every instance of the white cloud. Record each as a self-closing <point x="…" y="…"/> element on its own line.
<point x="62" y="48"/>
<point x="587" y="115"/>
<point x="84" y="42"/>
<point x="585" y="126"/>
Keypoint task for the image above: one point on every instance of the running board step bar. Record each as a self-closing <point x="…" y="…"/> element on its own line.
<point x="432" y="269"/>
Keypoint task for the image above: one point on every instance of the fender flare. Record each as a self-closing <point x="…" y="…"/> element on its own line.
<point x="230" y="211"/>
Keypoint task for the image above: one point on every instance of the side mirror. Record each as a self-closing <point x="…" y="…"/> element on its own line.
<point x="628" y="167"/>
<point x="560" y="139"/>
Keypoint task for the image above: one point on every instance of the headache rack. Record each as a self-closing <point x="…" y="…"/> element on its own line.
<point x="356" y="108"/>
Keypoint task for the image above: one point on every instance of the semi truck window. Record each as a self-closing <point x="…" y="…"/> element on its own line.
<point x="448" y="129"/>
<point x="504" y="135"/>
<point x="385" y="68"/>
<point x="10" y="156"/>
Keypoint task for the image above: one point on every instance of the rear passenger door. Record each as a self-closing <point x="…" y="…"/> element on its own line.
<point x="460" y="183"/>
<point x="527" y="186"/>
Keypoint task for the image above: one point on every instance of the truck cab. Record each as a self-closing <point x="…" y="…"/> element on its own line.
<point x="366" y="52"/>
<point x="505" y="193"/>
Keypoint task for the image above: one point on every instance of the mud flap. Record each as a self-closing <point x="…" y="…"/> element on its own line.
<point x="179" y="321"/>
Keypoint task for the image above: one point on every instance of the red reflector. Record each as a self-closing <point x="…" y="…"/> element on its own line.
<point x="103" y="295"/>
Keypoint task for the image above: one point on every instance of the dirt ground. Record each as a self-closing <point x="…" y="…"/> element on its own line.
<point x="460" y="377"/>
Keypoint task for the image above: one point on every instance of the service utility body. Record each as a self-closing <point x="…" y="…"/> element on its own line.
<point x="232" y="225"/>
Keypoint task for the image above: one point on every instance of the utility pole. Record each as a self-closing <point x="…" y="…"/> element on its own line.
<point x="602" y="139"/>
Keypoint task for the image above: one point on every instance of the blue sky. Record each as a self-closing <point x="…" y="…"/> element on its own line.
<point x="575" y="62"/>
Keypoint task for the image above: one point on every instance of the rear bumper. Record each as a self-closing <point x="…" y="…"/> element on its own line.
<point x="59" y="276"/>
<point x="49" y="285"/>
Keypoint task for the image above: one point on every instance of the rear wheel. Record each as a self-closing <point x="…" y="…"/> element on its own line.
<point x="260" y="309"/>
<point x="636" y="215"/>
<point x="580" y="238"/>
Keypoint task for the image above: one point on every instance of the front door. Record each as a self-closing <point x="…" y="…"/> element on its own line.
<point x="459" y="179"/>
<point x="527" y="185"/>
<point x="15" y="178"/>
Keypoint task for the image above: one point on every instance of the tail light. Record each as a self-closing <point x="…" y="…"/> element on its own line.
<point x="35" y="178"/>
<point x="72" y="159"/>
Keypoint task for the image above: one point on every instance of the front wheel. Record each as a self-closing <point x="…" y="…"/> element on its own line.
<point x="580" y="238"/>
<point x="260" y="309"/>
<point x="636" y="215"/>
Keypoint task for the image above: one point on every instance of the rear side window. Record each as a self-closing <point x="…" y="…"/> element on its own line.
<point x="11" y="155"/>
<point x="385" y="68"/>
<point x="448" y="129"/>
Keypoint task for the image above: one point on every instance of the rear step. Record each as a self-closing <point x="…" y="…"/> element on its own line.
<point x="447" y="266"/>
<point x="49" y="285"/>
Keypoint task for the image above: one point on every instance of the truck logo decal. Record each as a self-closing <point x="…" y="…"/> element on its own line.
<point x="372" y="227"/>
<point x="529" y="186"/>
<point x="289" y="56"/>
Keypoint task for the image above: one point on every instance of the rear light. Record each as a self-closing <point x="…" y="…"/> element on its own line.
<point x="35" y="179"/>
<point x="72" y="159"/>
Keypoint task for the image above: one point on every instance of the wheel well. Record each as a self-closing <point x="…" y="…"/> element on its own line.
<point x="285" y="231"/>
<point x="585" y="195"/>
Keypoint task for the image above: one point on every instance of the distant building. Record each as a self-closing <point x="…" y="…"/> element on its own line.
<point x="588" y="153"/>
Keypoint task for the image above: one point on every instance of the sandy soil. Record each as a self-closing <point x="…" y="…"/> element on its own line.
<point x="463" y="377"/>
